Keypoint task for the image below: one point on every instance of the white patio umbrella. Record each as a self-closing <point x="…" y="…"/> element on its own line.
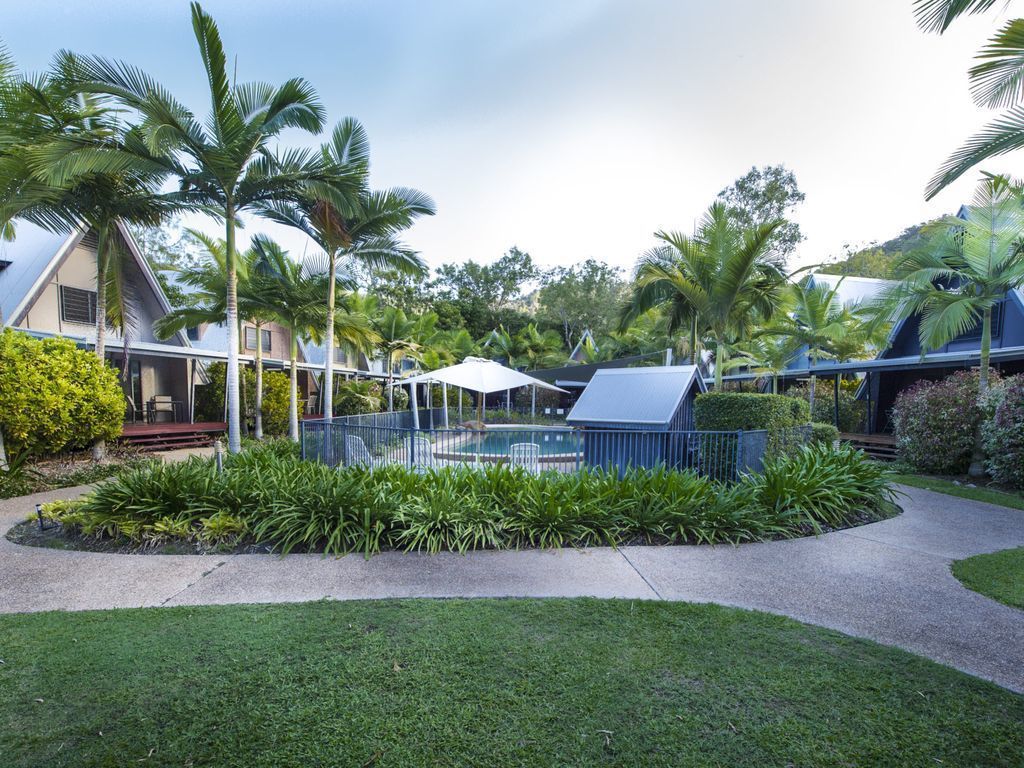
<point x="477" y="375"/>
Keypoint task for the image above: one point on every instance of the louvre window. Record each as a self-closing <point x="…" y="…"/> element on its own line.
<point x="997" y="325"/>
<point x="250" y="338"/>
<point x="77" y="305"/>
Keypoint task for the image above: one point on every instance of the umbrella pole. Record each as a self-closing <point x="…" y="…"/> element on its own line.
<point x="415" y="407"/>
<point x="444" y="402"/>
<point x="480" y="423"/>
<point x="533" y="403"/>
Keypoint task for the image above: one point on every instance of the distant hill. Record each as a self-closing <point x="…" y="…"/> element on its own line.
<point x="877" y="259"/>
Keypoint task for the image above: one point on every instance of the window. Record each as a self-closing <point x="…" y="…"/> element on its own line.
<point x="250" y="338"/>
<point x="77" y="305"/>
<point x="997" y="325"/>
<point x="192" y="333"/>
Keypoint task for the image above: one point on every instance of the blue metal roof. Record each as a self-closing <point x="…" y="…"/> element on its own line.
<point x="641" y="396"/>
<point x="29" y="254"/>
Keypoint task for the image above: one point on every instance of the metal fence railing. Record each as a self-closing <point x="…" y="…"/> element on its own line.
<point x="375" y="440"/>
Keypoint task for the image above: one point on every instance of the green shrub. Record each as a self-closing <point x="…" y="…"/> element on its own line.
<point x="358" y="396"/>
<point x="55" y="397"/>
<point x="823" y="434"/>
<point x="727" y="411"/>
<point x="852" y="412"/>
<point x="1003" y="433"/>
<point x="934" y="423"/>
<point x="210" y="398"/>
<point x="275" y="499"/>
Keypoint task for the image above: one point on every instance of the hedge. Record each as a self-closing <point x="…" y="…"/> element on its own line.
<point x="824" y="434"/>
<point x="728" y="411"/>
<point x="55" y="396"/>
<point x="1003" y="433"/>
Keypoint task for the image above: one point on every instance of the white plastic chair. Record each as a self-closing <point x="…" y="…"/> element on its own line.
<point x="421" y="453"/>
<point x="525" y="455"/>
<point x="356" y="452"/>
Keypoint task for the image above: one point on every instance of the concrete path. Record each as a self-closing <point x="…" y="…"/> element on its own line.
<point x="889" y="581"/>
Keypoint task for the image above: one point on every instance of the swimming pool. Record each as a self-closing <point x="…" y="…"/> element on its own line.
<point x="496" y="441"/>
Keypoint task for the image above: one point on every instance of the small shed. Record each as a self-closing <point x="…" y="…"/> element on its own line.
<point x="634" y="416"/>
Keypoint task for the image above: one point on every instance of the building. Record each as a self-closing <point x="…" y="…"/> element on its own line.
<point x="619" y="403"/>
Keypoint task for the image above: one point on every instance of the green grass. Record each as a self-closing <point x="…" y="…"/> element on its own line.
<point x="999" y="575"/>
<point x="944" y="485"/>
<point x="481" y="683"/>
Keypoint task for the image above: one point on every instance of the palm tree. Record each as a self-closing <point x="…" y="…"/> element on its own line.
<point x="766" y="355"/>
<point x="968" y="266"/>
<point x="717" y="284"/>
<point x="224" y="164"/>
<point x="817" y="322"/>
<point x="397" y="334"/>
<point x="997" y="82"/>
<point x="208" y="304"/>
<point x="39" y="117"/>
<point x="540" y="349"/>
<point x="360" y="229"/>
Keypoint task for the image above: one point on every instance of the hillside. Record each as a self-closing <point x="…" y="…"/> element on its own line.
<point x="877" y="259"/>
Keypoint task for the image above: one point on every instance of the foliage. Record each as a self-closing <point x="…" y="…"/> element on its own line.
<point x="358" y="396"/>
<point x="852" y="411"/>
<point x="934" y="423"/>
<point x="582" y="297"/>
<point x="823" y="433"/>
<point x="715" y="285"/>
<point x="55" y="397"/>
<point x="727" y="411"/>
<point x="296" y="505"/>
<point x="210" y="398"/>
<point x="763" y="195"/>
<point x="1003" y="433"/>
<point x="485" y="294"/>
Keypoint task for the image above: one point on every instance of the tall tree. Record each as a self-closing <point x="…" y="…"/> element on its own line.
<point x="39" y="117"/>
<point x="397" y="332"/>
<point x="584" y="296"/>
<point x="955" y="282"/>
<point x="767" y="194"/>
<point x="717" y="284"/>
<point x="225" y="164"/>
<point x="354" y="225"/>
<point x="996" y="81"/>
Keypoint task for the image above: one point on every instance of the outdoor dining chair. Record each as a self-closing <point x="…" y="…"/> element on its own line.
<point x="525" y="455"/>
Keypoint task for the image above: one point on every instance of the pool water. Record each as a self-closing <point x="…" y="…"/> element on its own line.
<point x="552" y="442"/>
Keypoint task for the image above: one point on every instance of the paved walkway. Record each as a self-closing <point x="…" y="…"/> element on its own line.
<point x="889" y="581"/>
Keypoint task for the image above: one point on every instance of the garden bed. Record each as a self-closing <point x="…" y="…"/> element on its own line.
<point x="266" y="500"/>
<point x="66" y="471"/>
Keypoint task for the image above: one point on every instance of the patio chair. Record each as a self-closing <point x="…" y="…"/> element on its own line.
<point x="525" y="455"/>
<point x="421" y="453"/>
<point x="356" y="453"/>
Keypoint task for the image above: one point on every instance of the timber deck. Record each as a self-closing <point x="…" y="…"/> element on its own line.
<point x="167" y="436"/>
<point x="879" y="446"/>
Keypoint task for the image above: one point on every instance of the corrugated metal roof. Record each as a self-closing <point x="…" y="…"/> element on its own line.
<point x="851" y="289"/>
<point x="648" y="396"/>
<point x="29" y="254"/>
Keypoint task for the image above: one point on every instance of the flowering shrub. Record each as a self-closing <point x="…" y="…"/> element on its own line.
<point x="1003" y="433"/>
<point x="935" y="421"/>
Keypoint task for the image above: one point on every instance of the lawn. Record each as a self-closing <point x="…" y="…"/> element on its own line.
<point x="999" y="575"/>
<point x="481" y="683"/>
<point x="945" y="485"/>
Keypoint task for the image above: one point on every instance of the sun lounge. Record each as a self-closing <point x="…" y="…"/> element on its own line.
<point x="525" y="455"/>
<point x="356" y="453"/>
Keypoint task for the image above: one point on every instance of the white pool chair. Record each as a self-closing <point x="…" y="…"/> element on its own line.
<point x="356" y="453"/>
<point x="525" y="455"/>
<point x="421" y="453"/>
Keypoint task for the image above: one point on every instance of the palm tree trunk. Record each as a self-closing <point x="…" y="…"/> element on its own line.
<point x="99" y="448"/>
<point x="327" y="404"/>
<point x="814" y="384"/>
<point x="977" y="467"/>
<point x="719" y="365"/>
<point x="293" y="395"/>
<point x="391" y="383"/>
<point x="693" y="342"/>
<point x="231" y="374"/>
<point x="258" y="415"/>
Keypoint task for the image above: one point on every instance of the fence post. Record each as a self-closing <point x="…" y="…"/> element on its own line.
<point x="302" y="440"/>
<point x="739" y="453"/>
<point x="579" y="447"/>
<point x="409" y="447"/>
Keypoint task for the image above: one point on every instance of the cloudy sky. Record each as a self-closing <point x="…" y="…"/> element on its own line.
<point x="576" y="128"/>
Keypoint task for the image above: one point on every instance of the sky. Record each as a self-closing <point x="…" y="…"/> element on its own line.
<point x="576" y="129"/>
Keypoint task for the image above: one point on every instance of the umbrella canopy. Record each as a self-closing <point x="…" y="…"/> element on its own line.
<point x="479" y="375"/>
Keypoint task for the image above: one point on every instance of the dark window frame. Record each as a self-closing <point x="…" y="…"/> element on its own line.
<point x="266" y="337"/>
<point x="84" y="295"/>
<point x="997" y="324"/>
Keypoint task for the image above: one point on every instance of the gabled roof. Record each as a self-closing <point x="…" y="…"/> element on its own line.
<point x="851" y="289"/>
<point x="649" y="396"/>
<point x="577" y="351"/>
<point x="28" y="260"/>
<point x="36" y="253"/>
